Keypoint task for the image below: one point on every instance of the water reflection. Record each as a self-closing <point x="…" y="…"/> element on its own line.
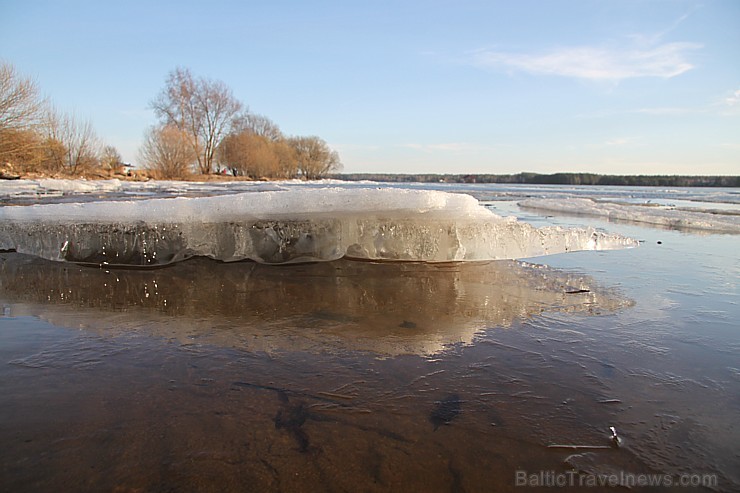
<point x="241" y="377"/>
<point x="386" y="308"/>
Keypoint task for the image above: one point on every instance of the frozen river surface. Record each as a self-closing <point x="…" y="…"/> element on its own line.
<point x="373" y="375"/>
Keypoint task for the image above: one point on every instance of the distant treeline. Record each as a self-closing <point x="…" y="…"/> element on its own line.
<point x="552" y="179"/>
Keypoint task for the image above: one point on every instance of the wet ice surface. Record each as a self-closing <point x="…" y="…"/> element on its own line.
<point x="348" y="376"/>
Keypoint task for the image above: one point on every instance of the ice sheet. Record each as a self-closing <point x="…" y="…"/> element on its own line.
<point x="26" y="192"/>
<point x="670" y="217"/>
<point x="288" y="226"/>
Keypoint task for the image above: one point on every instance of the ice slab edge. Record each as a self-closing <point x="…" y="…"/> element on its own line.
<point x="287" y="227"/>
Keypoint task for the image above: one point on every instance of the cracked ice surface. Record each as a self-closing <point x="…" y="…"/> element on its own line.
<point x="287" y="226"/>
<point x="669" y="217"/>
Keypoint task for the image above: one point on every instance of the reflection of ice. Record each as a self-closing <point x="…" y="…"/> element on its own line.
<point x="708" y="220"/>
<point x="286" y="226"/>
<point x="385" y="308"/>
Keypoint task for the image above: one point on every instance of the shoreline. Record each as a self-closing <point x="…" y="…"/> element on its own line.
<point x="569" y="179"/>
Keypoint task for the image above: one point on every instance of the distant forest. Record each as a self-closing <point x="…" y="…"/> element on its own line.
<point x="552" y="179"/>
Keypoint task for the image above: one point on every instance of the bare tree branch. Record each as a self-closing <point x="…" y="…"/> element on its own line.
<point x="21" y="110"/>
<point x="81" y="145"/>
<point x="259" y="125"/>
<point x="20" y="104"/>
<point x="202" y="108"/>
<point x="110" y="158"/>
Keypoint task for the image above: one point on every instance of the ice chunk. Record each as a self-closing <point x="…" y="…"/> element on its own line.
<point x="665" y="217"/>
<point x="79" y="186"/>
<point x="27" y="192"/>
<point x="286" y="226"/>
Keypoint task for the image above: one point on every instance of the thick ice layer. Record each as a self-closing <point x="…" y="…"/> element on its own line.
<point x="286" y="226"/>
<point x="665" y="217"/>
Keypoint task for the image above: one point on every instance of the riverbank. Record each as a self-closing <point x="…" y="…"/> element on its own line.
<point x="9" y="172"/>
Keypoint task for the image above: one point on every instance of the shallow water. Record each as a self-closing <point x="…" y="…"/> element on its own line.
<point x="360" y="376"/>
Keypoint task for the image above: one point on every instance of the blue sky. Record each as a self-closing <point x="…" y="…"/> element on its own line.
<point x="613" y="86"/>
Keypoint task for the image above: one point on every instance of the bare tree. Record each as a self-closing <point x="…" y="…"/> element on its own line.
<point x="81" y="145"/>
<point x="21" y="110"/>
<point x="54" y="155"/>
<point x="20" y="104"/>
<point x="167" y="152"/>
<point x="258" y="124"/>
<point x="314" y="158"/>
<point x="110" y="159"/>
<point x="204" y="109"/>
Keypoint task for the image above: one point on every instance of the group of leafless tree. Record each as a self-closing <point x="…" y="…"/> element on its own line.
<point x="34" y="136"/>
<point x="202" y="129"/>
<point x="202" y="126"/>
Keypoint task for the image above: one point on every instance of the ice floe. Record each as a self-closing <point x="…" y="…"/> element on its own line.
<point x="287" y="226"/>
<point x="669" y="217"/>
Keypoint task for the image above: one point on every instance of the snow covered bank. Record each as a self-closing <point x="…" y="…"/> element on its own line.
<point x="289" y="226"/>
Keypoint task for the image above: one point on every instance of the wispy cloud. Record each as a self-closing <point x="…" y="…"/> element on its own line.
<point x="728" y="104"/>
<point x="655" y="38"/>
<point x="635" y="55"/>
<point x="733" y="99"/>
<point x="595" y="63"/>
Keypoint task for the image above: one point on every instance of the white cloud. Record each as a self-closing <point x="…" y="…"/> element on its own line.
<point x="655" y="38"/>
<point x="733" y="99"/>
<point x="595" y="63"/>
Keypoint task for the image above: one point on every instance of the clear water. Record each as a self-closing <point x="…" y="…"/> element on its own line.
<point x="359" y="376"/>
